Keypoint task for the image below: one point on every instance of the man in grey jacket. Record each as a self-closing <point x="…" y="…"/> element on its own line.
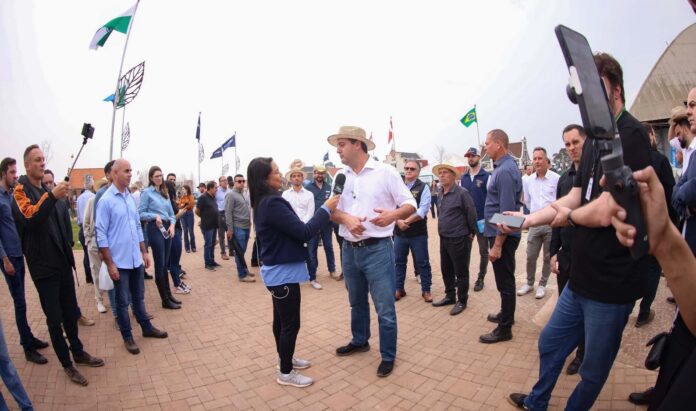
<point x="238" y="220"/>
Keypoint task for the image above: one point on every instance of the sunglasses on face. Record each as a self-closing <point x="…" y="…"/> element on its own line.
<point x="410" y="169"/>
<point x="240" y="181"/>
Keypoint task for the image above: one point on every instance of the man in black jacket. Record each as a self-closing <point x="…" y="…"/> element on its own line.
<point x="49" y="257"/>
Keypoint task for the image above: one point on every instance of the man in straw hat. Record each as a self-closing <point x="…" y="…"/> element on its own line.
<point x="321" y="192"/>
<point x="374" y="197"/>
<point x="302" y="202"/>
<point x="457" y="228"/>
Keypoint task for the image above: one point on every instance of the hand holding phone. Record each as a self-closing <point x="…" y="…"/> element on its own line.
<point x="512" y="221"/>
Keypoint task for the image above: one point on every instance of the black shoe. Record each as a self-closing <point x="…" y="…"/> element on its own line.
<point x="85" y="359"/>
<point x="444" y="301"/>
<point x="458" y="308"/>
<point x="254" y="263"/>
<point x="174" y="300"/>
<point x="131" y="347"/>
<point x="89" y="280"/>
<point x="495" y="318"/>
<point x="645" y="318"/>
<point x="385" y="368"/>
<point x="38" y="344"/>
<point x="34" y="356"/>
<point x="574" y="366"/>
<point x="193" y="250"/>
<point x="75" y="376"/>
<point x="210" y="267"/>
<point x="350" y="349"/>
<point x="517" y="399"/>
<point x="641" y="398"/>
<point x="215" y="264"/>
<point x="155" y="333"/>
<point x="148" y="276"/>
<point x="671" y="300"/>
<point x="479" y="284"/>
<point x="170" y="305"/>
<point x="497" y="335"/>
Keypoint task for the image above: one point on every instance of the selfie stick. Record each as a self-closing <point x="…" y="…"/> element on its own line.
<point x="87" y="132"/>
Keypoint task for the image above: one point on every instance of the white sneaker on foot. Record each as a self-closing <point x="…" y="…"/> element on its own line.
<point x="316" y="285"/>
<point x="181" y="290"/>
<point x="100" y="307"/>
<point x="540" y="292"/>
<point x="418" y="280"/>
<point x="297" y="364"/>
<point x="524" y="289"/>
<point x="294" y="379"/>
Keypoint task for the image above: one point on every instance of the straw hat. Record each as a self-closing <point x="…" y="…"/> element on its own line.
<point x="100" y="183"/>
<point x="296" y="167"/>
<point x="319" y="168"/>
<point x="353" y="132"/>
<point x="447" y="166"/>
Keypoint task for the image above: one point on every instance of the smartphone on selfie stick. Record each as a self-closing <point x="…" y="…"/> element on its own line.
<point x="585" y="88"/>
<point x="87" y="133"/>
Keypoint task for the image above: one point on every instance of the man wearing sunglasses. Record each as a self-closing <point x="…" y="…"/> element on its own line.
<point x="238" y="221"/>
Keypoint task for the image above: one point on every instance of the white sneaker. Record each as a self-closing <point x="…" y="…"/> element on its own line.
<point x="418" y="280"/>
<point x="540" y="292"/>
<point x="100" y="307"/>
<point x="297" y="364"/>
<point x="524" y="289"/>
<point x="316" y="285"/>
<point x="181" y="290"/>
<point x="186" y="286"/>
<point x="294" y="379"/>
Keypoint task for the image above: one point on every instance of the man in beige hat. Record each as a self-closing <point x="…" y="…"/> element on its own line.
<point x="456" y="226"/>
<point x="321" y="192"/>
<point x="302" y="202"/>
<point x="374" y="197"/>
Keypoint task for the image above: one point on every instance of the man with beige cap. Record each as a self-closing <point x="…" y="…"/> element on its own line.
<point x="374" y="197"/>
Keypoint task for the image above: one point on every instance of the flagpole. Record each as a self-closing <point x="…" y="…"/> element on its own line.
<point x="123" y="120"/>
<point x="198" y="154"/>
<point x="236" y="168"/>
<point x="120" y="70"/>
<point x="478" y="136"/>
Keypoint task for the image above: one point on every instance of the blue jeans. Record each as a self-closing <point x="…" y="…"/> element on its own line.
<point x="241" y="236"/>
<point x="326" y="234"/>
<point x="371" y="269"/>
<point x="161" y="249"/>
<point x="112" y="301"/>
<point x="603" y="325"/>
<point x="131" y="283"/>
<point x="16" y="285"/>
<point x="209" y="246"/>
<point x="419" y="247"/>
<point x="9" y="375"/>
<point x="187" y="225"/>
<point x="175" y="257"/>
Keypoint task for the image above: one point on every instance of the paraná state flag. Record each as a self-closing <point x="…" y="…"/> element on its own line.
<point x="119" y="24"/>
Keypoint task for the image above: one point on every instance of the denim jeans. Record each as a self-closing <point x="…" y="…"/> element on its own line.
<point x="209" y="246"/>
<point x="112" y="301"/>
<point x="131" y="283"/>
<point x="222" y="233"/>
<point x="419" y="247"/>
<point x="241" y="237"/>
<point x="9" y="375"/>
<point x="371" y="269"/>
<point x="161" y="249"/>
<point x="326" y="234"/>
<point x="16" y="285"/>
<point x="187" y="225"/>
<point x="174" y="265"/>
<point x="603" y="325"/>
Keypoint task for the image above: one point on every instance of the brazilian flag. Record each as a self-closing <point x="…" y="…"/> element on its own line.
<point x="469" y="118"/>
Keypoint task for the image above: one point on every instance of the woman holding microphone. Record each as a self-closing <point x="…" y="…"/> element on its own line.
<point x="282" y="237"/>
<point x="156" y="209"/>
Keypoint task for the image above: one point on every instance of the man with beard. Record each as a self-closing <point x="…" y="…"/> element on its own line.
<point x="679" y="129"/>
<point x="321" y="192"/>
<point x="50" y="260"/>
<point x="476" y="181"/>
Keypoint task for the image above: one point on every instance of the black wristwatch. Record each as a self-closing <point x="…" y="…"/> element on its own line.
<point x="571" y="223"/>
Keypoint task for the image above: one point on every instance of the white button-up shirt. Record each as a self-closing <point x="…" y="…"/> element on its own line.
<point x="687" y="155"/>
<point x="540" y="191"/>
<point x="302" y="203"/>
<point x="378" y="185"/>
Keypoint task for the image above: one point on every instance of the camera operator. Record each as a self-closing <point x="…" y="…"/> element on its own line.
<point x="605" y="281"/>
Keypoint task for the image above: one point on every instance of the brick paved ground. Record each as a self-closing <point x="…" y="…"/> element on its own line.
<point x="221" y="355"/>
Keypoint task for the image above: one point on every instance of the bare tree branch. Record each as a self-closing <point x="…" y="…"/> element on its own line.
<point x="47" y="149"/>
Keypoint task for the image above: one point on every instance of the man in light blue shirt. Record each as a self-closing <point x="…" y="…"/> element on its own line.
<point x="81" y="205"/>
<point x="122" y="248"/>
<point x="222" y="223"/>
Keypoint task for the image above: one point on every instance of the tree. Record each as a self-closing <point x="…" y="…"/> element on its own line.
<point x="47" y="149"/>
<point x="440" y="154"/>
<point x="561" y="161"/>
<point x="142" y="176"/>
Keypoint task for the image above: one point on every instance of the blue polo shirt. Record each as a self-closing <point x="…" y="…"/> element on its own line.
<point x="320" y="194"/>
<point x="10" y="245"/>
<point x="477" y="189"/>
<point x="504" y="193"/>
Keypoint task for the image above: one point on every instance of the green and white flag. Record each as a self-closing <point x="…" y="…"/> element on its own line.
<point x="119" y="24"/>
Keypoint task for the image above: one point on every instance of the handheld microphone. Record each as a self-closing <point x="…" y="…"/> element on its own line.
<point x="340" y="182"/>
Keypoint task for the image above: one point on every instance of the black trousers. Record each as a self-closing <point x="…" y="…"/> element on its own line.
<point x="504" y="270"/>
<point x="286" y="321"/>
<point x="59" y="303"/>
<point x="674" y="389"/>
<point x="455" y="254"/>
<point x="85" y="259"/>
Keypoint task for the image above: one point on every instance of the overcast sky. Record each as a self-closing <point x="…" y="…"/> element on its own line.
<point x="286" y="74"/>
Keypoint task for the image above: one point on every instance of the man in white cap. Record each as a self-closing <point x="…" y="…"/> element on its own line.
<point x="374" y="197"/>
<point x="302" y="202"/>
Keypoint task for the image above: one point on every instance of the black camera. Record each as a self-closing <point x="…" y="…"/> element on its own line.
<point x="585" y="88"/>
<point x="87" y="131"/>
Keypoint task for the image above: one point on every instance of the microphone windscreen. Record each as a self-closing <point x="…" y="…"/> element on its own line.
<point x="340" y="182"/>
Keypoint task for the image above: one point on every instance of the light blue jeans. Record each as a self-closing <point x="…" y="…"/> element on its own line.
<point x="603" y="325"/>
<point x="370" y="270"/>
<point x="8" y="372"/>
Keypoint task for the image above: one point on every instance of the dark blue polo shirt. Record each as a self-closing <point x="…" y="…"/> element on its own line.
<point x="504" y="193"/>
<point x="477" y="189"/>
<point x="320" y="194"/>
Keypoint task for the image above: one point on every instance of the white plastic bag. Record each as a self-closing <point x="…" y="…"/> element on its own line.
<point x="105" y="282"/>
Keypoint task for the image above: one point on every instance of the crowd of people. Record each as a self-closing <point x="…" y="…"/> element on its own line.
<point x="378" y="218"/>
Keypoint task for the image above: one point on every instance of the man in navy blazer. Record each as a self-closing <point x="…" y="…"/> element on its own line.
<point x="684" y="195"/>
